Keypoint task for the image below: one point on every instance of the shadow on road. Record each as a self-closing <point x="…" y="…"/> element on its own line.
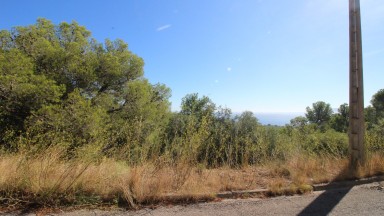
<point x="324" y="203"/>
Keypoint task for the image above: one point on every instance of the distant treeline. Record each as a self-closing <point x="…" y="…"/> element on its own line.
<point x="61" y="87"/>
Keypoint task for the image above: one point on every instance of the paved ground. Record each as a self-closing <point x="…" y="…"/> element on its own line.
<point x="359" y="200"/>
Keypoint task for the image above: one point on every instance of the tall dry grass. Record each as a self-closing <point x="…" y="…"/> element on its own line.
<point x="49" y="179"/>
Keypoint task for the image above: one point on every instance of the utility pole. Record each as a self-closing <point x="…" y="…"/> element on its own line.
<point x="356" y="91"/>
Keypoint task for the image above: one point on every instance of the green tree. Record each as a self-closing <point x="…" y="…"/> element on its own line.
<point x="222" y="149"/>
<point x="190" y="134"/>
<point x="62" y="53"/>
<point x="193" y="105"/>
<point x="247" y="139"/>
<point x="375" y="112"/>
<point x="378" y="103"/>
<point x="44" y="65"/>
<point x="247" y="122"/>
<point x="299" y="122"/>
<point x="5" y="40"/>
<point x="139" y="122"/>
<point x="375" y="137"/>
<point x="67" y="54"/>
<point x="370" y="117"/>
<point x="21" y="92"/>
<point x="340" y="120"/>
<point x="319" y="114"/>
<point x="73" y="124"/>
<point x="378" y="100"/>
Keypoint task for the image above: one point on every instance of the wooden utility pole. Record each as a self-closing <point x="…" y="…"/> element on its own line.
<point x="356" y="93"/>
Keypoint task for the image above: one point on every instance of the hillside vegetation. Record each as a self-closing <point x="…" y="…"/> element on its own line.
<point x="80" y="124"/>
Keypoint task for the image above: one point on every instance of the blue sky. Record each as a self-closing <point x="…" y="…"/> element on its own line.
<point x="257" y="55"/>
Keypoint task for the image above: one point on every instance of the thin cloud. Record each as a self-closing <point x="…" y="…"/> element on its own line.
<point x="161" y="28"/>
<point x="229" y="69"/>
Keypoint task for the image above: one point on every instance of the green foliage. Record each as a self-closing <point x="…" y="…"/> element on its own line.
<point x="374" y="137"/>
<point x="193" y="105"/>
<point x="68" y="55"/>
<point x="370" y="117"/>
<point x="59" y="87"/>
<point x="189" y="132"/>
<point x="328" y="143"/>
<point x="73" y="124"/>
<point x="247" y="139"/>
<point x="216" y="138"/>
<point x="378" y="103"/>
<point x="222" y="147"/>
<point x="62" y="53"/>
<point x="340" y="120"/>
<point x="139" y="122"/>
<point x="22" y="92"/>
<point x="375" y="113"/>
<point x="319" y="114"/>
<point x="299" y="122"/>
<point x="5" y="40"/>
<point x="309" y="140"/>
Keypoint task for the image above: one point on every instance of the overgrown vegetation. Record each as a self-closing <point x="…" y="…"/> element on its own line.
<point x="80" y="124"/>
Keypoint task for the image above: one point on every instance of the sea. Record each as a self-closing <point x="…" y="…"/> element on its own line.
<point x="279" y="119"/>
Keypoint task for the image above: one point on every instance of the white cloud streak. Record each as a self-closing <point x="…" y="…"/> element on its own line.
<point x="161" y="28"/>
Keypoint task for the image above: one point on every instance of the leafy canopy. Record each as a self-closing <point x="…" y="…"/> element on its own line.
<point x="320" y="113"/>
<point x="44" y="66"/>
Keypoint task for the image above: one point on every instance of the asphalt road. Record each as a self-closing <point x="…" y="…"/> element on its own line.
<point x="359" y="200"/>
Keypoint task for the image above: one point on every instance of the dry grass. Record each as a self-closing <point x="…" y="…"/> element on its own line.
<point x="49" y="180"/>
<point x="375" y="165"/>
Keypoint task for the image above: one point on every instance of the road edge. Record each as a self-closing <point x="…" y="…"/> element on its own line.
<point x="315" y="187"/>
